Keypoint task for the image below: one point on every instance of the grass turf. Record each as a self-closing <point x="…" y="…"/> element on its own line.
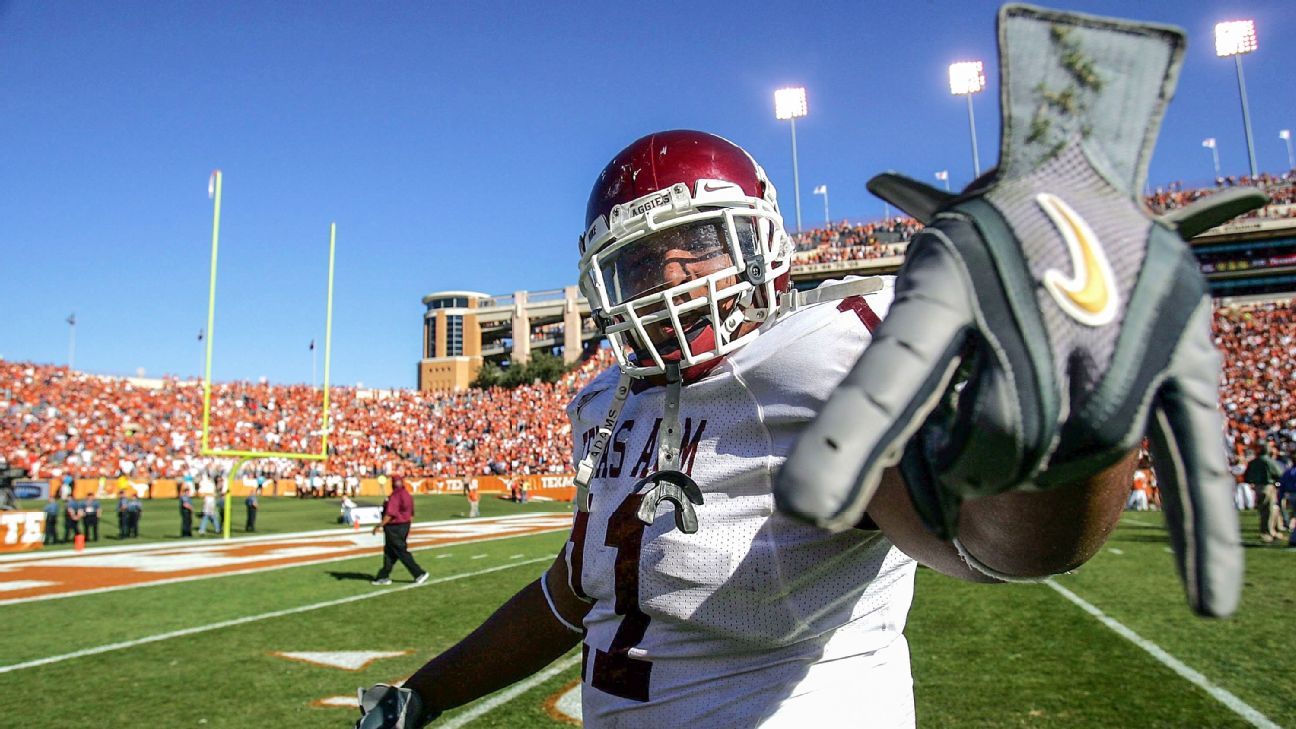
<point x="984" y="656"/>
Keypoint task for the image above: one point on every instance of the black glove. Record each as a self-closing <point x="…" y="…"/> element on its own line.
<point x="392" y="707"/>
<point x="1044" y="322"/>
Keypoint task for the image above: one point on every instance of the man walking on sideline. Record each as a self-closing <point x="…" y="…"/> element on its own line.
<point x="91" y="510"/>
<point x="398" y="512"/>
<point x="121" y="512"/>
<point x="252" y="506"/>
<point x="134" y="508"/>
<point x="186" y="512"/>
<point x="1263" y="473"/>
<point x="51" y="520"/>
<point x="72" y="514"/>
<point x="474" y="499"/>
<point x="209" y="515"/>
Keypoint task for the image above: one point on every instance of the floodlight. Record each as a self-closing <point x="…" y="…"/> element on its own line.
<point x="1235" y="37"/>
<point x="790" y="103"/>
<point x="966" y="77"/>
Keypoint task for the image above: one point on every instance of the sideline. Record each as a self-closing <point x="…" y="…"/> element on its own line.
<point x="170" y="544"/>
<point x="110" y="647"/>
<point x="1239" y="707"/>
<point x="439" y="535"/>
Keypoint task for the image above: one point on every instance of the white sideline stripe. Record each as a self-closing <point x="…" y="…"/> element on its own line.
<point x="253" y="570"/>
<point x="251" y="619"/>
<point x="1239" y="707"/>
<point x="177" y="544"/>
<point x="1114" y="550"/>
<point x="480" y="709"/>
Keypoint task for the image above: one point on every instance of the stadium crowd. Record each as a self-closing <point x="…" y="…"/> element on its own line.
<point x="1259" y="346"/>
<point x="846" y="241"/>
<point x="54" y="422"/>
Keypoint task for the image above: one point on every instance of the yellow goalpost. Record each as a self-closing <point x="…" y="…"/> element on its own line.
<point x="214" y="189"/>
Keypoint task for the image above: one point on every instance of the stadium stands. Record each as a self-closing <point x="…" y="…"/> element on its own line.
<point x="55" y="422"/>
<point x="847" y="241"/>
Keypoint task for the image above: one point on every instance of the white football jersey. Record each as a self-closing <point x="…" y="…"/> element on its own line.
<point x="754" y="619"/>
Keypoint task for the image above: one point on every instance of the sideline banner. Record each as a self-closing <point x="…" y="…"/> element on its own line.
<point x="31" y="489"/>
<point x="21" y="530"/>
<point x="558" y="487"/>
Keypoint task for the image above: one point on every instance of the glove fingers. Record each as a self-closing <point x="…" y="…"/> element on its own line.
<point x="837" y="464"/>
<point x="1192" y="470"/>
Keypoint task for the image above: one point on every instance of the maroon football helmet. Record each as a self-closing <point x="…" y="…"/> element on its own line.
<point x="683" y="245"/>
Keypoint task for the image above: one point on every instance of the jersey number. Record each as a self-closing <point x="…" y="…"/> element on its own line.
<point x="615" y="671"/>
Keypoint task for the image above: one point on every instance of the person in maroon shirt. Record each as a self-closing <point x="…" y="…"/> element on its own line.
<point x="398" y="512"/>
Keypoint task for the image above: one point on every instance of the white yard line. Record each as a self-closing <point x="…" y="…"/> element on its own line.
<point x="110" y="647"/>
<point x="491" y="703"/>
<point x="1238" y="706"/>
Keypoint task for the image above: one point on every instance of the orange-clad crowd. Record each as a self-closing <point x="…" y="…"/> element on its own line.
<point x="54" y="422"/>
<point x="1259" y="385"/>
<point x="845" y="241"/>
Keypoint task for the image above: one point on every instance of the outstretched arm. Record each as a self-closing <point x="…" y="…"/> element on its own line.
<point x="520" y="638"/>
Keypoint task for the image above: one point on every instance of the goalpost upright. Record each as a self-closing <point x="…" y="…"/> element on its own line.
<point x="243" y="456"/>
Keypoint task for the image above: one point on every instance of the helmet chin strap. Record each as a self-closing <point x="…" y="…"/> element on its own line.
<point x="585" y="469"/>
<point x="668" y="449"/>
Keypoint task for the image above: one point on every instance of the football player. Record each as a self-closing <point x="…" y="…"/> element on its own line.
<point x="694" y="598"/>
<point x="698" y="602"/>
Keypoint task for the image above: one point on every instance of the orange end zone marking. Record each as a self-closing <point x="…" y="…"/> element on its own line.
<point x="91" y="572"/>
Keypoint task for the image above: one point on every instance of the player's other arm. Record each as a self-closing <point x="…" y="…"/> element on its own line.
<point x="1020" y="533"/>
<point x="520" y="638"/>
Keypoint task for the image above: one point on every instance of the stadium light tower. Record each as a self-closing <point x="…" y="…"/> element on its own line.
<point x="1209" y="143"/>
<point x="1234" y="38"/>
<point x="823" y="190"/>
<point x="1285" y="135"/>
<point x="967" y="78"/>
<point x="790" y="104"/>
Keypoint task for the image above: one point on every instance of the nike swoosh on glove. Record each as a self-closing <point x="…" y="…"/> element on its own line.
<point x="1044" y="322"/>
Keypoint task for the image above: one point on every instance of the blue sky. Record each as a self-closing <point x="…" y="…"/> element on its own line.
<point x="454" y="145"/>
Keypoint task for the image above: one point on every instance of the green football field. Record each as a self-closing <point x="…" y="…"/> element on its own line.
<point x="983" y="656"/>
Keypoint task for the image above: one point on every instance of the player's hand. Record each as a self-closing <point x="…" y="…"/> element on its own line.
<point x="982" y="380"/>
<point x="1043" y="324"/>
<point x="391" y="707"/>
